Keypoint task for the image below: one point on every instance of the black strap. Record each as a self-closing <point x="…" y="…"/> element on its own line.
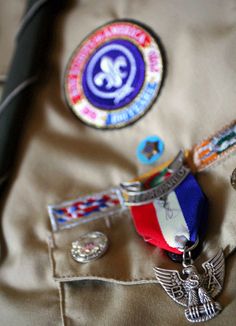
<point x="32" y="45"/>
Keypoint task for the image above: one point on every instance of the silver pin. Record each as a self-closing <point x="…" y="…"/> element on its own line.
<point x="89" y="246"/>
<point x="197" y="291"/>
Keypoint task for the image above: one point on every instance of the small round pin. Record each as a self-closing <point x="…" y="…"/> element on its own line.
<point x="89" y="246"/>
<point x="150" y="150"/>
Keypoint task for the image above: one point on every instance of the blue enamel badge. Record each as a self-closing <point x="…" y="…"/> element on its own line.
<point x="114" y="76"/>
<point x="150" y="150"/>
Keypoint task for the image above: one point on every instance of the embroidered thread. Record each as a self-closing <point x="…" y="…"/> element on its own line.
<point x="215" y="147"/>
<point x="84" y="209"/>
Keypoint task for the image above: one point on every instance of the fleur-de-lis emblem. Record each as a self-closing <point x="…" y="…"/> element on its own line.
<point x="111" y="72"/>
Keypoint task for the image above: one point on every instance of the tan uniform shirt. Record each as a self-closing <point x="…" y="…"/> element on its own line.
<point x="61" y="158"/>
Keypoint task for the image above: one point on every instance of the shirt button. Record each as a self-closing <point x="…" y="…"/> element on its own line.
<point x="233" y="179"/>
<point x="89" y="246"/>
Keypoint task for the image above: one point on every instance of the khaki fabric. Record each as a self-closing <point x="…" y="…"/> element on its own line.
<point x="60" y="158"/>
<point x="10" y="13"/>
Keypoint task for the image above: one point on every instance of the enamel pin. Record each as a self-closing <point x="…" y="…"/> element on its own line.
<point x="150" y="150"/>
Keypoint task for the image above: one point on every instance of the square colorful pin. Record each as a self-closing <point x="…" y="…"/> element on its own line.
<point x="115" y="74"/>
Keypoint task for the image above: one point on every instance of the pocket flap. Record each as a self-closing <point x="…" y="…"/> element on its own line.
<point x="128" y="258"/>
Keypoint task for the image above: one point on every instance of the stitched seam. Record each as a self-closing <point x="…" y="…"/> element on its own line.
<point x="62" y="305"/>
<point x="134" y="281"/>
<point x="52" y="263"/>
<point x="60" y="284"/>
<point x="15" y="92"/>
<point x="103" y="276"/>
<point x="29" y="15"/>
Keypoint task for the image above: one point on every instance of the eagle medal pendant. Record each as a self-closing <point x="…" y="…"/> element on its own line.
<point x="196" y="291"/>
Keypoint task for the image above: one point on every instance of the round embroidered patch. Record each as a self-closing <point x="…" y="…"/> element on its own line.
<point x="114" y="76"/>
<point x="150" y="149"/>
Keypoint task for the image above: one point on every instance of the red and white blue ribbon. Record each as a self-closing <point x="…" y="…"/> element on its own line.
<point x="171" y="222"/>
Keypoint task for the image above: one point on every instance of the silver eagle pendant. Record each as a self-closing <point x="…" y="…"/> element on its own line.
<point x="197" y="291"/>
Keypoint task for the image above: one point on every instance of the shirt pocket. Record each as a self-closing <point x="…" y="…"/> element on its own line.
<point x="90" y="291"/>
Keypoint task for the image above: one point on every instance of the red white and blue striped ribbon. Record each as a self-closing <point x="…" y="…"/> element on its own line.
<point x="175" y="220"/>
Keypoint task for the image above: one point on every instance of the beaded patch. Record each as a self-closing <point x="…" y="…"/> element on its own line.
<point x="215" y="147"/>
<point x="85" y="209"/>
<point x="114" y="76"/>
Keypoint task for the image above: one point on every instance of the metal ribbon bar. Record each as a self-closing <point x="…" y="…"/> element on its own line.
<point x="134" y="195"/>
